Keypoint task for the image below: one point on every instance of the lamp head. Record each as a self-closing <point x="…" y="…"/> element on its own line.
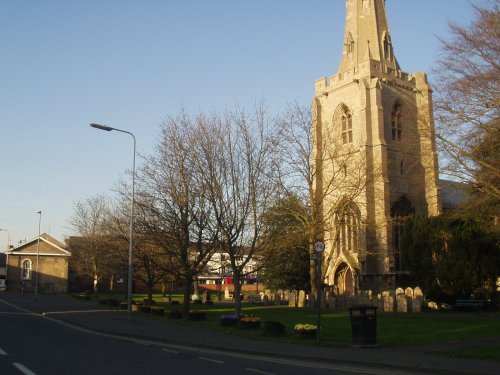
<point x="102" y="127"/>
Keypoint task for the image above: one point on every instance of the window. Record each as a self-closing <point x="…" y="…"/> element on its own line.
<point x="387" y="47"/>
<point x="346" y="128"/>
<point x="402" y="167"/>
<point x="348" y="236"/>
<point x="26" y="269"/>
<point x="350" y="44"/>
<point x="396" y="126"/>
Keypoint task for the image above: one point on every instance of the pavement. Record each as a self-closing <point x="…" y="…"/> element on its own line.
<point x="103" y="319"/>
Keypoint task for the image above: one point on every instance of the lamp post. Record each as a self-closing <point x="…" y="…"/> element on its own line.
<point x="7" y="252"/>
<point x="37" y="253"/>
<point x="8" y="237"/>
<point x="131" y="241"/>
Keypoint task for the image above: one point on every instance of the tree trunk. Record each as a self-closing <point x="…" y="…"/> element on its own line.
<point x="187" y="295"/>
<point x="111" y="283"/>
<point x="96" y="279"/>
<point x="150" y="293"/>
<point x="237" y="293"/>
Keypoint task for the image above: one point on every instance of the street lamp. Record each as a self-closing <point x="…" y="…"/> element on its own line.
<point x="8" y="237"/>
<point x="131" y="242"/>
<point x="7" y="252"/>
<point x="37" y="253"/>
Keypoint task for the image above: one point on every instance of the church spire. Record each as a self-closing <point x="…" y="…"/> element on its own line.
<point x="366" y="35"/>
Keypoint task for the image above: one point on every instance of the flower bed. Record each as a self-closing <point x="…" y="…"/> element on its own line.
<point x="274" y="328"/>
<point x="250" y="322"/>
<point x="157" y="310"/>
<point x="229" y="320"/>
<point x="174" y="314"/>
<point x="196" y="315"/>
<point x="305" y="330"/>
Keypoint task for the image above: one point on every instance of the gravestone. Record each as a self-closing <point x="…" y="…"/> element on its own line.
<point x="302" y="299"/>
<point x="402" y="303"/>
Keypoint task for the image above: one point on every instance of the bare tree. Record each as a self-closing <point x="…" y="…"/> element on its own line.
<point x="149" y="263"/>
<point x="325" y="174"/>
<point x="93" y="251"/>
<point x="235" y="163"/>
<point x="467" y="102"/>
<point x="175" y="214"/>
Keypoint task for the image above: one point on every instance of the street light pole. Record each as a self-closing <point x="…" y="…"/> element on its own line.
<point x="8" y="237"/>
<point x="131" y="240"/>
<point x="7" y="252"/>
<point x="37" y="253"/>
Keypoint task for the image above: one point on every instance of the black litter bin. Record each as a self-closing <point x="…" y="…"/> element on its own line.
<point x="363" y="325"/>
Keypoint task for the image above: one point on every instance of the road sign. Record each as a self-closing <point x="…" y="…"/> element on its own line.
<point x="313" y="256"/>
<point x="319" y="246"/>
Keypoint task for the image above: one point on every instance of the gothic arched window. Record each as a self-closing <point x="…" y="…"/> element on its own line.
<point x="396" y="126"/>
<point x="387" y="47"/>
<point x="401" y="211"/>
<point x="348" y="227"/>
<point x="26" y="269"/>
<point x="350" y="44"/>
<point x="346" y="121"/>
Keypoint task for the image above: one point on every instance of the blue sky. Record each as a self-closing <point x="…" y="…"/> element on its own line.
<point x="130" y="64"/>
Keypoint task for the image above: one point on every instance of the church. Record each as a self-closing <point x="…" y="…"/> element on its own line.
<point x="374" y="155"/>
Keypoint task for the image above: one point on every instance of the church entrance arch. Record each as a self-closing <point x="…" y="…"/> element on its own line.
<point x="344" y="280"/>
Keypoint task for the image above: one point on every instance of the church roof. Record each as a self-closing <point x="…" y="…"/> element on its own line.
<point x="452" y="194"/>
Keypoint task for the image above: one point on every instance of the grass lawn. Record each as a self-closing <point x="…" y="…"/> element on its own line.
<point x="393" y="329"/>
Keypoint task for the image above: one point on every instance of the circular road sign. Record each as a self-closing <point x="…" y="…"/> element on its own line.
<point x="319" y="246"/>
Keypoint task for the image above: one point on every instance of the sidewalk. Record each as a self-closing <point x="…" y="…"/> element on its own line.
<point x="102" y="319"/>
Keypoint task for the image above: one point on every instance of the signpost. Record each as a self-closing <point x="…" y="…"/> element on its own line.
<point x="319" y="247"/>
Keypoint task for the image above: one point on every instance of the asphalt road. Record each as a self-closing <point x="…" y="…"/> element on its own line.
<point x="35" y="344"/>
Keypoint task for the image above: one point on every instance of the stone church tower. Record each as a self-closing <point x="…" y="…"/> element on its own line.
<point x="374" y="154"/>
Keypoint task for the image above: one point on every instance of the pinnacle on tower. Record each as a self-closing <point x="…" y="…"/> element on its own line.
<point x="367" y="35"/>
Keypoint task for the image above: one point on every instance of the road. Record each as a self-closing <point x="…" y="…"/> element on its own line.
<point x="34" y="344"/>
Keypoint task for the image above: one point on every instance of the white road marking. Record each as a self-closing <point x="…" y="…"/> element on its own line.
<point x="170" y="351"/>
<point x="23" y="369"/>
<point x="259" y="372"/>
<point x="210" y="360"/>
<point x="299" y="363"/>
<point x="2" y="352"/>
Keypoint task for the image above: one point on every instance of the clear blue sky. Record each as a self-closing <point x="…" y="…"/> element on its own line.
<point x="129" y="64"/>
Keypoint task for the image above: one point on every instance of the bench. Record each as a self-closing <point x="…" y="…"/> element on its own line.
<point x="469" y="304"/>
